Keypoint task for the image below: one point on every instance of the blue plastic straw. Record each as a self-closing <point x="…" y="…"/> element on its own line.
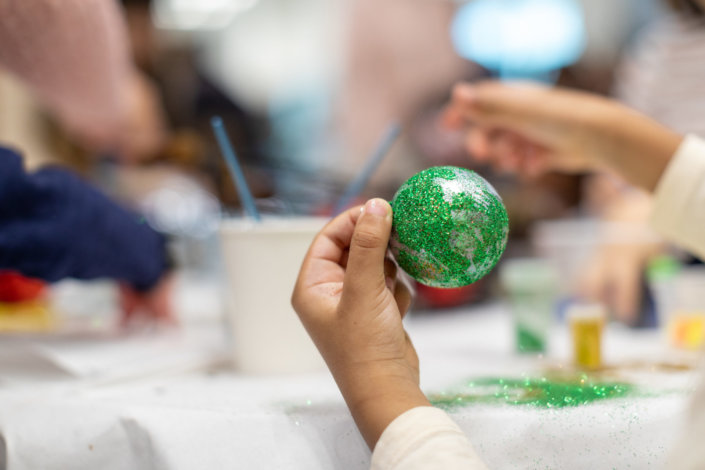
<point x="361" y="180"/>
<point x="238" y="176"/>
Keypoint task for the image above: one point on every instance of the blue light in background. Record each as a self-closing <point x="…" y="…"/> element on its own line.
<point x="520" y="38"/>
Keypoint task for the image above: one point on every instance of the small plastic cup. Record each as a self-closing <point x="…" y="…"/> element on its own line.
<point x="685" y="321"/>
<point x="530" y="284"/>
<point x="587" y="323"/>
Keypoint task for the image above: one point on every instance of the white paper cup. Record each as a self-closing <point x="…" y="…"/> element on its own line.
<point x="262" y="261"/>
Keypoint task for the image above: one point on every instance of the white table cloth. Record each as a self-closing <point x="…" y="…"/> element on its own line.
<point x="169" y="402"/>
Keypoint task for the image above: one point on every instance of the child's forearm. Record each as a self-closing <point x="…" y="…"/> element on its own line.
<point x="377" y="394"/>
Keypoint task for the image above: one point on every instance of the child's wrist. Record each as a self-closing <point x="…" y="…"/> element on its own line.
<point x="377" y="393"/>
<point x="374" y="413"/>
<point x="356" y="377"/>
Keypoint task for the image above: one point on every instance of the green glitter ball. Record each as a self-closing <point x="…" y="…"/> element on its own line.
<point x="449" y="228"/>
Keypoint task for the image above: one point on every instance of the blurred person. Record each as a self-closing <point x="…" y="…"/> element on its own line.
<point x="658" y="76"/>
<point x="74" y="56"/>
<point x="351" y="301"/>
<point x="190" y="99"/>
<point x="54" y="226"/>
<point x="398" y="57"/>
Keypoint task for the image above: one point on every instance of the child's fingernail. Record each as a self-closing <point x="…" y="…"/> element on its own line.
<point x="377" y="207"/>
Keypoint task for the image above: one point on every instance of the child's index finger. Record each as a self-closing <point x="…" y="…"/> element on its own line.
<point x="335" y="237"/>
<point x="328" y="247"/>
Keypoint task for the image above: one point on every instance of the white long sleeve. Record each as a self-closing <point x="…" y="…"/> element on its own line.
<point x="424" y="438"/>
<point x="679" y="214"/>
<point x="679" y="199"/>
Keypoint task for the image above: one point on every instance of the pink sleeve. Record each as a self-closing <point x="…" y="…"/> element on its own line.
<point x="74" y="55"/>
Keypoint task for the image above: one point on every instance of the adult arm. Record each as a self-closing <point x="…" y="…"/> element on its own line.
<point x="531" y="128"/>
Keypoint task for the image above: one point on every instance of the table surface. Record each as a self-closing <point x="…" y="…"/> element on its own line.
<point x="169" y="401"/>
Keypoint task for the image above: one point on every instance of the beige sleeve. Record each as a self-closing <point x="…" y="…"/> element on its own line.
<point x="424" y="438"/>
<point x="679" y="199"/>
<point x="679" y="213"/>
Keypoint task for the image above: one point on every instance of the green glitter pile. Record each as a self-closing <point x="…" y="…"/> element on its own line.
<point x="538" y="392"/>
<point x="449" y="228"/>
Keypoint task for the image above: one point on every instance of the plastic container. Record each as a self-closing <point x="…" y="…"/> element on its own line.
<point x="587" y="323"/>
<point x="531" y="287"/>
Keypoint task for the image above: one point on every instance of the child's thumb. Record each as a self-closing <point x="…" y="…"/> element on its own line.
<point x="364" y="274"/>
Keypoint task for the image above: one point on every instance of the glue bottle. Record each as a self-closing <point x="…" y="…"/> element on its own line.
<point x="586" y="324"/>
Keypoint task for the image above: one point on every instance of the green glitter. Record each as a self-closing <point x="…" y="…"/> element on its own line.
<point x="528" y="341"/>
<point x="539" y="392"/>
<point x="449" y="227"/>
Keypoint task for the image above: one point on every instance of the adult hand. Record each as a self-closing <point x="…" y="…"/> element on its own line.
<point x="533" y="129"/>
<point x="153" y="305"/>
<point x="351" y="301"/>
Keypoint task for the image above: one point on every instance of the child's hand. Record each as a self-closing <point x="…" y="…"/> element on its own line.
<point x="351" y="301"/>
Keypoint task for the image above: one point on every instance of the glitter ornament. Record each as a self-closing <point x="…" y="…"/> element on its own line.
<point x="449" y="228"/>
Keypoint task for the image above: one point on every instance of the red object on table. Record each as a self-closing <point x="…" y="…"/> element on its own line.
<point x="15" y="287"/>
<point x="435" y="297"/>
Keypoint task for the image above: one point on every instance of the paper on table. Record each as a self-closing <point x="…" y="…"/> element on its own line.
<point x="89" y="346"/>
<point x="112" y="358"/>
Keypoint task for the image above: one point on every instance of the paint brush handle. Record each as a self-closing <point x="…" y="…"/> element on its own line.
<point x="361" y="180"/>
<point x="226" y="148"/>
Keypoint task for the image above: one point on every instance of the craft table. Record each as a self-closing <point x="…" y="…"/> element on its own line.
<point x="169" y="401"/>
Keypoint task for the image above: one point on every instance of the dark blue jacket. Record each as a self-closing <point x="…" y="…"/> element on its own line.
<point x="53" y="225"/>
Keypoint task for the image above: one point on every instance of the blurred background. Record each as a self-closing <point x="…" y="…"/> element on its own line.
<point x="306" y="90"/>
